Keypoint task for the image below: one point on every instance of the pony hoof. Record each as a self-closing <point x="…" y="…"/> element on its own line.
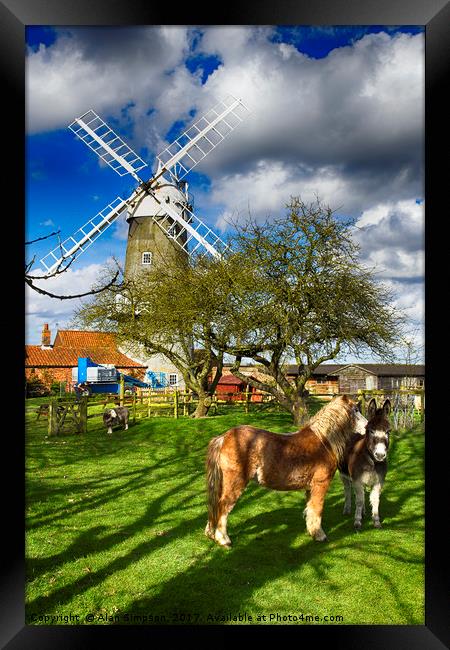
<point x="224" y="544"/>
<point x="209" y="533"/>
<point x="346" y="512"/>
<point x="358" y="527"/>
<point x="321" y="538"/>
<point x="377" y="524"/>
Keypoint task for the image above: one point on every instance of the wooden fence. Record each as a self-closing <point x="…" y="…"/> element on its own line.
<point x="147" y="403"/>
<point x="408" y="405"/>
<point x="70" y="414"/>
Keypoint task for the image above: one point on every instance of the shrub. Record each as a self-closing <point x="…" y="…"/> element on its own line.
<point x="55" y="388"/>
<point x="35" y="387"/>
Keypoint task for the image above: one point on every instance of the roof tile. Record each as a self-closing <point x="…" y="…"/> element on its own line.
<point x="101" y="347"/>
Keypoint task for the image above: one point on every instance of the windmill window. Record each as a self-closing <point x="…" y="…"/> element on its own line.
<point x="146" y="258"/>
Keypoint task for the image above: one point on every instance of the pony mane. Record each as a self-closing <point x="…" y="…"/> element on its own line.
<point x="333" y="423"/>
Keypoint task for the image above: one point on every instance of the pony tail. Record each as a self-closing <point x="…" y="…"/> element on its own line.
<point x="214" y="479"/>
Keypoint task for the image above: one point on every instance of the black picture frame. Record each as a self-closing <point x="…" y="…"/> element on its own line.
<point x="15" y="15"/>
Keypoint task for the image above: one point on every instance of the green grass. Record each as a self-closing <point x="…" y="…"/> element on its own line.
<point x="115" y="527"/>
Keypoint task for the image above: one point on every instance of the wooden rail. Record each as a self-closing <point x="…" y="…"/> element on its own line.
<point x="67" y="412"/>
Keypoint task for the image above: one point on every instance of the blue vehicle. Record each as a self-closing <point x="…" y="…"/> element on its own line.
<point x="93" y="378"/>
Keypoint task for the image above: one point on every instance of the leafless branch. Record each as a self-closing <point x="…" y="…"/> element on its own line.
<point x="62" y="267"/>
<point x="59" y="269"/>
<point x="92" y="292"/>
<point x="52" y="234"/>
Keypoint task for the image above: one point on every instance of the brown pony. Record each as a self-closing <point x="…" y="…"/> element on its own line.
<point x="306" y="459"/>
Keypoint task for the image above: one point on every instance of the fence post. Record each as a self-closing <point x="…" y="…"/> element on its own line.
<point x="134" y="408"/>
<point x="121" y="390"/>
<point x="175" y="404"/>
<point x="83" y="414"/>
<point x="362" y="400"/>
<point x="246" y="397"/>
<point x="52" y="419"/>
<point x="422" y="405"/>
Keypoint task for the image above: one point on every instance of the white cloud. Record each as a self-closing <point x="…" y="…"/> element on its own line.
<point x="351" y="123"/>
<point x="348" y="127"/>
<point x="265" y="190"/>
<point x="391" y="236"/>
<point x="40" y="309"/>
<point x="105" y="69"/>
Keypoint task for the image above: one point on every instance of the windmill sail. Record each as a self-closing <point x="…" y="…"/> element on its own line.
<point x="202" y="137"/>
<point x="84" y="236"/>
<point x="99" y="137"/>
<point x="189" y="232"/>
<point x="183" y="227"/>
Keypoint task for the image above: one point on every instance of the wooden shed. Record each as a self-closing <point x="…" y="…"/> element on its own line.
<point x="330" y="378"/>
<point x="231" y="388"/>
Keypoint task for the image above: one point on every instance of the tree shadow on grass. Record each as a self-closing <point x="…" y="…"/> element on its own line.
<point x="40" y="490"/>
<point x="266" y="548"/>
<point x="91" y="542"/>
<point x="225" y="581"/>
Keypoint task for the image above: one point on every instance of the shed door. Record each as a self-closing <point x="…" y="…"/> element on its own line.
<point x="371" y="382"/>
<point x="349" y="384"/>
<point x="353" y="385"/>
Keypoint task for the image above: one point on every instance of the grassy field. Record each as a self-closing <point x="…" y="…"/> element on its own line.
<point x="115" y="535"/>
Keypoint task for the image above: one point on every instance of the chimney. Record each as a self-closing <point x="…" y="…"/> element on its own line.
<point x="46" y="337"/>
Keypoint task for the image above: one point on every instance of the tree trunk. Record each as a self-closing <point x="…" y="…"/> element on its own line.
<point x="299" y="410"/>
<point x="203" y="406"/>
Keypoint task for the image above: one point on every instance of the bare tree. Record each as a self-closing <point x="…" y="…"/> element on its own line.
<point x="411" y="354"/>
<point x="62" y="267"/>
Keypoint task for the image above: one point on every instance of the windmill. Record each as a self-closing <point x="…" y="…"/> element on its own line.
<point x="161" y="221"/>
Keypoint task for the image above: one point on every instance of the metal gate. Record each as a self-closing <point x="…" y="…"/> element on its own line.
<point x="407" y="407"/>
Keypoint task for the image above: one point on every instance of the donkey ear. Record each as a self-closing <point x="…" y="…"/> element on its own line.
<point x="371" y="409"/>
<point x="386" y="407"/>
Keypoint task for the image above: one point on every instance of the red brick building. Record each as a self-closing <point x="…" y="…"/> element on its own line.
<point x="52" y="363"/>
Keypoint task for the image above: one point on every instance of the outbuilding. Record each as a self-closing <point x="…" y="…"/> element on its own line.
<point x="54" y="362"/>
<point x="349" y="378"/>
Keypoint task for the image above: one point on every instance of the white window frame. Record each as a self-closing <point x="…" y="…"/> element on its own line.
<point x="142" y="258"/>
<point x="173" y="374"/>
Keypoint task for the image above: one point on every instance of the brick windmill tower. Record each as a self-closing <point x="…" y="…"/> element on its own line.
<point x="161" y="223"/>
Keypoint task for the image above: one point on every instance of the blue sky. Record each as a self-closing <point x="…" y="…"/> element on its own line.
<point x="335" y="110"/>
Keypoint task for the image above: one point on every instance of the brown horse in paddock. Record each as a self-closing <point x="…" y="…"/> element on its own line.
<point x="365" y="463"/>
<point x="306" y="459"/>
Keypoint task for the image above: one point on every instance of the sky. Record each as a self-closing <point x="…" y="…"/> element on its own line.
<point x="336" y="112"/>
